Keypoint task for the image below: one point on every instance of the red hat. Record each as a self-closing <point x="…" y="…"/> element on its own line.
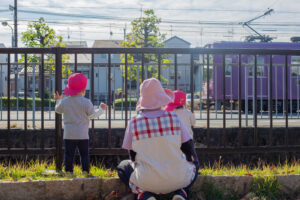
<point x="179" y="100"/>
<point x="76" y="83"/>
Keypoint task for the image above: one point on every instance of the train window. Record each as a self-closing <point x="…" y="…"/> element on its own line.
<point x="228" y="66"/>
<point x="260" y="66"/>
<point x="295" y="69"/>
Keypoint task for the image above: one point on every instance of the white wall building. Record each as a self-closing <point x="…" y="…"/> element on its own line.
<point x="3" y="73"/>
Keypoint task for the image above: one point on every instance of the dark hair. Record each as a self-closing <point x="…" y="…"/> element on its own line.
<point x="178" y="107"/>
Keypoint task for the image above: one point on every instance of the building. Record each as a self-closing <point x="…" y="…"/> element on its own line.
<point x="3" y="73"/>
<point x="183" y="65"/>
<point x="101" y="76"/>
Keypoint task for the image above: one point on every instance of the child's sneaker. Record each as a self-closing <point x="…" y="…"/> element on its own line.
<point x="180" y="195"/>
<point x="146" y="196"/>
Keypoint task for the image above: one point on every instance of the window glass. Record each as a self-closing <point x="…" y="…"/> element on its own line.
<point x="228" y="66"/>
<point x="295" y="69"/>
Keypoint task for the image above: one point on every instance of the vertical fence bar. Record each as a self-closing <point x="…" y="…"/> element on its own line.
<point x="255" y="100"/>
<point x="92" y="97"/>
<point x="50" y="91"/>
<point x="58" y="117"/>
<point x="215" y="75"/>
<point x="283" y="92"/>
<point x="1" y="93"/>
<point x="25" y="103"/>
<point x="207" y="102"/>
<point x="109" y="101"/>
<point x="201" y="70"/>
<point x="192" y="83"/>
<point x="33" y="95"/>
<point x="159" y="65"/>
<point x="240" y="100"/>
<point x="8" y="100"/>
<point x="143" y="69"/>
<point x="43" y="95"/>
<point x="271" y="100"/>
<point x="8" y="91"/>
<point x="75" y="66"/>
<point x="175" y="70"/>
<point x="126" y="92"/>
<point x="286" y="102"/>
<point x="276" y="96"/>
<point x="224" y="101"/>
<point x="42" y="100"/>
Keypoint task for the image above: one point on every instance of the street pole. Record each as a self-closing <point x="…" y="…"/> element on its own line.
<point x="16" y="55"/>
<point x="16" y="26"/>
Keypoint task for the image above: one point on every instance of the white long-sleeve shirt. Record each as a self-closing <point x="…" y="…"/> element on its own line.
<point x="187" y="117"/>
<point x="77" y="112"/>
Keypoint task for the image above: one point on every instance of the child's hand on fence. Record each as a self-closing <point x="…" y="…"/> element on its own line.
<point x="57" y="96"/>
<point x="103" y="106"/>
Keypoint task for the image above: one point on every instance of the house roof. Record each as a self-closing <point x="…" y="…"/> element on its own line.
<point x="175" y="37"/>
<point x="75" y="44"/>
<point x="107" y="43"/>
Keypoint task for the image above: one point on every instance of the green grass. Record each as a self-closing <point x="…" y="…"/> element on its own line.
<point x="35" y="170"/>
<point x="217" y="169"/>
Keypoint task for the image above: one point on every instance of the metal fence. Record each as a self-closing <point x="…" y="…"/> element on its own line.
<point x="214" y="105"/>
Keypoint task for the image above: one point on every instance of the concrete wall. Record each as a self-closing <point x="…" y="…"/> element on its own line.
<point x="94" y="188"/>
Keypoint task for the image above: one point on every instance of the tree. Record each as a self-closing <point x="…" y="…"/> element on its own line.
<point x="144" y="33"/>
<point x="40" y="35"/>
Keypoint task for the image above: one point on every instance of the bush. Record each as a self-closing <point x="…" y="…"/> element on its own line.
<point x="132" y="104"/>
<point x="38" y="102"/>
<point x="266" y="188"/>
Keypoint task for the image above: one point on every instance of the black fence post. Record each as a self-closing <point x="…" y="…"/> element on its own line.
<point x="58" y="117"/>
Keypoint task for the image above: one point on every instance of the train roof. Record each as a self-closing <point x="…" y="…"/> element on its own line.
<point x="254" y="45"/>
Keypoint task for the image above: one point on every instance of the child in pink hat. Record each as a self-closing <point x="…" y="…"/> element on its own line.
<point x="184" y="114"/>
<point x="77" y="111"/>
<point x="157" y="141"/>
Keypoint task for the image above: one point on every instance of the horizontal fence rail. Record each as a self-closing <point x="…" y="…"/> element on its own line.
<point x="225" y="88"/>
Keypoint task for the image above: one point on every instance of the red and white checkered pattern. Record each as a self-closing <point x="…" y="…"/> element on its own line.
<point x="144" y="128"/>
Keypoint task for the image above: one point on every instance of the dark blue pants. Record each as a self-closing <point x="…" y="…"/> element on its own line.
<point x="70" y="148"/>
<point x="125" y="170"/>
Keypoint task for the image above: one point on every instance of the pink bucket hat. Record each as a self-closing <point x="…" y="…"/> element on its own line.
<point x="152" y="95"/>
<point x="180" y="98"/>
<point x="76" y="83"/>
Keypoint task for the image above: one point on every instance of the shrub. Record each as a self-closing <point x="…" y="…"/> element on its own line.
<point x="38" y="102"/>
<point x="266" y="188"/>
<point x="132" y="104"/>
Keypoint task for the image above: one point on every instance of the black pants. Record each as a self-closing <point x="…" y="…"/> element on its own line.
<point x="83" y="147"/>
<point x="124" y="170"/>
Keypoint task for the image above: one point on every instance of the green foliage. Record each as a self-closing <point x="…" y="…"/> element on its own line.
<point x="266" y="188"/>
<point x="40" y="35"/>
<point x="131" y="102"/>
<point x="212" y="192"/>
<point x="38" y="102"/>
<point x="144" y="33"/>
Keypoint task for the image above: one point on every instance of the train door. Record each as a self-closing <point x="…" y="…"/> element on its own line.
<point x="294" y="85"/>
<point x="229" y="83"/>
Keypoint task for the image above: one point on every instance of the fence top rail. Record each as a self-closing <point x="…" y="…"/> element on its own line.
<point x="65" y="50"/>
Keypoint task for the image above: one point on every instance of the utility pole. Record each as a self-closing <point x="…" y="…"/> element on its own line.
<point x="16" y="26"/>
<point x="16" y="45"/>
<point x="124" y="30"/>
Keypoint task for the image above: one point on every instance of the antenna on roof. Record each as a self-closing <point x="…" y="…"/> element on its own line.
<point x="261" y="38"/>
<point x="110" y="32"/>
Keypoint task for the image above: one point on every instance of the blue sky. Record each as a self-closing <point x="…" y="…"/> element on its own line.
<point x="197" y="21"/>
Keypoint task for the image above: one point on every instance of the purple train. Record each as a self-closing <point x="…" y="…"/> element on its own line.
<point x="247" y="83"/>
